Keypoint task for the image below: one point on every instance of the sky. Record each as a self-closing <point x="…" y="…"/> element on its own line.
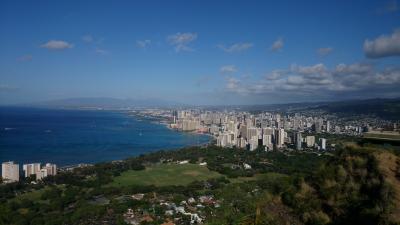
<point x="200" y="52"/>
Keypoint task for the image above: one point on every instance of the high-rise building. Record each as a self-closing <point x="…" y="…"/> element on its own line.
<point x="51" y="169"/>
<point x="253" y="143"/>
<point x="267" y="141"/>
<point x="328" y="126"/>
<point x="243" y="130"/>
<point x="318" y="125"/>
<point x="279" y="137"/>
<point x="190" y="125"/>
<point x="251" y="132"/>
<point x="174" y="115"/>
<point x="310" y="140"/>
<point x="30" y="169"/>
<point x="337" y="129"/>
<point x="298" y="140"/>
<point x="268" y="131"/>
<point x="48" y="170"/>
<point x="42" y="173"/>
<point x="10" y="171"/>
<point x="222" y="140"/>
<point x="231" y="126"/>
<point x="322" y="142"/>
<point x="243" y="143"/>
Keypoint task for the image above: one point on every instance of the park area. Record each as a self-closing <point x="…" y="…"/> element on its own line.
<point x="165" y="175"/>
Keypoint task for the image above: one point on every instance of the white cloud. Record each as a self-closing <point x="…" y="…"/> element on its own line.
<point x="383" y="46"/>
<point x="228" y="69"/>
<point x="143" y="43"/>
<point x="57" y="45"/>
<point x="277" y="45"/>
<point x="232" y="83"/>
<point x="238" y="47"/>
<point x="309" y="70"/>
<point x="356" y="68"/>
<point x="388" y="76"/>
<point x="324" y="51"/>
<point x="317" y="80"/>
<point x="181" y="41"/>
<point x="275" y="75"/>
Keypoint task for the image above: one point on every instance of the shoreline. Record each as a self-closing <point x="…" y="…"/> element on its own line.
<point x="79" y="155"/>
<point x="163" y="121"/>
<point x="153" y="120"/>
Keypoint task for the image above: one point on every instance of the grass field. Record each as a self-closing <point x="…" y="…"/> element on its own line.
<point x="385" y="136"/>
<point x="164" y="175"/>
<point x="264" y="176"/>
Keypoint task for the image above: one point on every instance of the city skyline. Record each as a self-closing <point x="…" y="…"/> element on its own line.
<point x="200" y="53"/>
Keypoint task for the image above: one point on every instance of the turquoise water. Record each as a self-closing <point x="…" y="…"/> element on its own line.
<point x="68" y="137"/>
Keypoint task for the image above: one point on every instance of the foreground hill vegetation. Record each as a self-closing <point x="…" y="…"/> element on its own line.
<point x="353" y="185"/>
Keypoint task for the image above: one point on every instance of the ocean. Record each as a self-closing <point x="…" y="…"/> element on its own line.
<point x="68" y="137"/>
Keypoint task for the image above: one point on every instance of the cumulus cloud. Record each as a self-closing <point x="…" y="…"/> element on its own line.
<point x="56" y="45"/>
<point x="356" y="68"/>
<point x="238" y="47"/>
<point x="317" y="81"/>
<point x="232" y="83"/>
<point x="143" y="43"/>
<point x="324" y="51"/>
<point x="318" y="69"/>
<point x="383" y="46"/>
<point x="275" y="75"/>
<point x="277" y="45"/>
<point x="181" y="41"/>
<point x="228" y="69"/>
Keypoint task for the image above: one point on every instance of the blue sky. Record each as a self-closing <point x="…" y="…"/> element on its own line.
<point x="199" y="52"/>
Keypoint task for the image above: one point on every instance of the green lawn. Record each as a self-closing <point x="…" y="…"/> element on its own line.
<point x="264" y="176"/>
<point x="164" y="175"/>
<point x="393" y="136"/>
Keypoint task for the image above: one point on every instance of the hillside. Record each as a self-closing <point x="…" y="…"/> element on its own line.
<point x="383" y="108"/>
<point x="354" y="185"/>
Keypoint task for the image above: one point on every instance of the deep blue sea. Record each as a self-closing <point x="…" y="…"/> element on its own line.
<point x="67" y="137"/>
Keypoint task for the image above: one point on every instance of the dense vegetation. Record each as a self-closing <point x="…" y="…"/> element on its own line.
<point x="354" y="185"/>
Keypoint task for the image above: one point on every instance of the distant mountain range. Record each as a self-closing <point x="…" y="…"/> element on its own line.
<point x="384" y="108"/>
<point x="106" y="103"/>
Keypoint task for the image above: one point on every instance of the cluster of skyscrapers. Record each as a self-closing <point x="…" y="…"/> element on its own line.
<point x="245" y="130"/>
<point x="10" y="171"/>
